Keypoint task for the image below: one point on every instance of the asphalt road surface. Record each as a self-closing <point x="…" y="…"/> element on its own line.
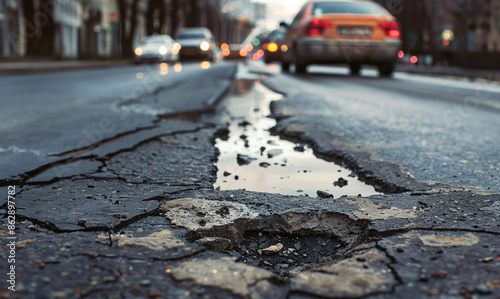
<point x="46" y="116"/>
<point x="111" y="176"/>
<point x="442" y="130"/>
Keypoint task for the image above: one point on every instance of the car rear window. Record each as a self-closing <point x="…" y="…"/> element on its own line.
<point x="154" y="41"/>
<point x="188" y="35"/>
<point x="357" y="8"/>
<point x="277" y="36"/>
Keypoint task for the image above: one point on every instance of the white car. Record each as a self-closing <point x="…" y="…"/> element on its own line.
<point x="157" y="48"/>
<point x="196" y="43"/>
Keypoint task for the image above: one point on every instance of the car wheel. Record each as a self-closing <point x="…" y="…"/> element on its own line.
<point x="386" y="69"/>
<point x="285" y="66"/>
<point x="355" y="68"/>
<point x="300" y="68"/>
<point x="300" y="65"/>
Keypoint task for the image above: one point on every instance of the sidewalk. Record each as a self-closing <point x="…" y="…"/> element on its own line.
<point x="40" y="66"/>
<point x="490" y="75"/>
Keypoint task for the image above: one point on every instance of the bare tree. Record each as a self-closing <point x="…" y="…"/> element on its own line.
<point x="175" y="9"/>
<point x="155" y="17"/>
<point x="128" y="24"/>
<point x="39" y="27"/>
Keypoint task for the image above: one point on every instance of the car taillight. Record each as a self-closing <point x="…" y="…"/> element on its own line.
<point x="391" y="29"/>
<point x="316" y="27"/>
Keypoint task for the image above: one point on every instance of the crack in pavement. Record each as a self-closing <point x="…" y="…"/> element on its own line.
<point x="36" y="172"/>
<point x="82" y="150"/>
<point x="394" y="272"/>
<point x="120" y="226"/>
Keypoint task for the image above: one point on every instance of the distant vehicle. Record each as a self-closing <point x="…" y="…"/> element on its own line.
<point x="157" y="48"/>
<point x="274" y="46"/>
<point x="355" y="32"/>
<point x="196" y="43"/>
<point x="234" y="51"/>
<point x="260" y="39"/>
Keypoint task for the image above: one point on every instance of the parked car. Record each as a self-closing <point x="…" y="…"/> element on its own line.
<point x="196" y="43"/>
<point x="273" y="46"/>
<point x="355" y="32"/>
<point x="157" y="48"/>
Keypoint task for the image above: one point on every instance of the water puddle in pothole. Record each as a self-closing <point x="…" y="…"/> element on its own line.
<point x="253" y="159"/>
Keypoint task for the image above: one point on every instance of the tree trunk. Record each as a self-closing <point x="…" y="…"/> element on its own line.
<point x="155" y="15"/>
<point x="127" y="32"/>
<point x="174" y="16"/>
<point x="47" y="28"/>
<point x="150" y="17"/>
<point x="162" y="14"/>
<point x="31" y="31"/>
<point x="122" y="10"/>
<point x="193" y="18"/>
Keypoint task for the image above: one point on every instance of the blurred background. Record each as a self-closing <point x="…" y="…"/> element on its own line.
<point x="462" y="33"/>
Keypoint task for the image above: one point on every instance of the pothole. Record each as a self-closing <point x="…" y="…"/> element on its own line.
<point x="285" y="254"/>
<point x="282" y="241"/>
<point x="253" y="159"/>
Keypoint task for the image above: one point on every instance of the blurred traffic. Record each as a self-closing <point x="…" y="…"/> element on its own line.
<point x="196" y="43"/>
<point x="157" y="48"/>
<point x="299" y="33"/>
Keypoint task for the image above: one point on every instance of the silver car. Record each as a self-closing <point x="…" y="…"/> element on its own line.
<point x="157" y="48"/>
<point x="196" y="43"/>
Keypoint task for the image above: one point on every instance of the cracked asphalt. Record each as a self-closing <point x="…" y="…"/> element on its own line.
<point x="115" y="172"/>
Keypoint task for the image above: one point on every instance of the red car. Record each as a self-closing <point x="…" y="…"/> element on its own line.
<point x="355" y="32"/>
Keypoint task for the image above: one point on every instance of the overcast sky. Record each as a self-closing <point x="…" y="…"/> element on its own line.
<point x="281" y="10"/>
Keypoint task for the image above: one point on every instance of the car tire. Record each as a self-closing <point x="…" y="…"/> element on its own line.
<point x="355" y="69"/>
<point x="386" y="69"/>
<point x="285" y="66"/>
<point x="300" y="66"/>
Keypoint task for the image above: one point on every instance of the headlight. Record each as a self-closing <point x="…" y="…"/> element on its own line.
<point x="204" y="46"/>
<point x="176" y="48"/>
<point x="162" y="50"/>
<point x="138" y="51"/>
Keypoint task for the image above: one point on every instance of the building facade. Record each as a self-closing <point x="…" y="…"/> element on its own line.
<point x="10" y="16"/>
<point x="98" y="35"/>
<point x="68" y="20"/>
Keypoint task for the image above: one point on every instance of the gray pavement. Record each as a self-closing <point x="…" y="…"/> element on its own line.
<point x="44" y="66"/>
<point x="46" y="122"/>
<point x="450" y="71"/>
<point x="134" y="214"/>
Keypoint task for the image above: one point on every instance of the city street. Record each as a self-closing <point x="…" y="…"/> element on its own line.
<point x="235" y="180"/>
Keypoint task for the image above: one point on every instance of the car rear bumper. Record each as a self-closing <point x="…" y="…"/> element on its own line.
<point x="314" y="50"/>
<point x="272" y="56"/>
<point x="150" y="57"/>
<point x="189" y="52"/>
